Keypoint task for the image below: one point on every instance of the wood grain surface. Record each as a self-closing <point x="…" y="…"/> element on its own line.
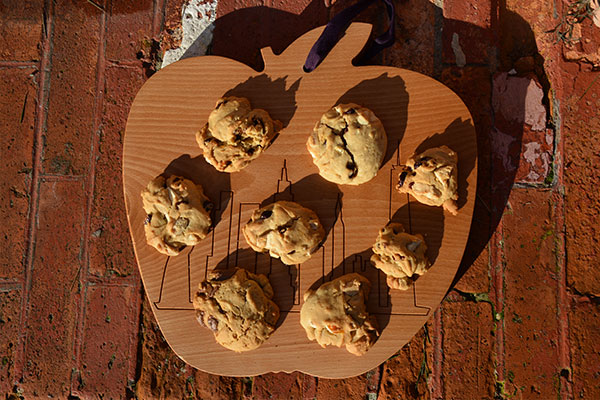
<point x="417" y="112"/>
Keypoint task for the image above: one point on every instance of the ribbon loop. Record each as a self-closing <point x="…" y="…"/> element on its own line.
<point x="337" y="26"/>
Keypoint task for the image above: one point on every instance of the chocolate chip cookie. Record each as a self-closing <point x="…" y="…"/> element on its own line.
<point x="238" y="310"/>
<point x="400" y="255"/>
<point x="431" y="178"/>
<point x="336" y="314"/>
<point x="286" y="230"/>
<point x="348" y="144"/>
<point x="177" y="214"/>
<point x="235" y="134"/>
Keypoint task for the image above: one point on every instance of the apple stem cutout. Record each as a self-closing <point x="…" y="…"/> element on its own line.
<point x="336" y="27"/>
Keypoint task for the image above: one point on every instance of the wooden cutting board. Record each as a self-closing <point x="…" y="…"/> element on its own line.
<point x="417" y="112"/>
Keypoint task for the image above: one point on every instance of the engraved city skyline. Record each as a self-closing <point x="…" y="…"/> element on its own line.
<point x="333" y="258"/>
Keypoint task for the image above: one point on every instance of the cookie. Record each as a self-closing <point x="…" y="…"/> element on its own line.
<point x="238" y="310"/>
<point x="177" y="214"/>
<point x="400" y="255"/>
<point x="348" y="144"/>
<point x="431" y="178"/>
<point x="286" y="230"/>
<point x="235" y="134"/>
<point x="336" y="314"/>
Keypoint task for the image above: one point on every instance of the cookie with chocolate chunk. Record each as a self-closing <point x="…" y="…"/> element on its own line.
<point x="178" y="214"/>
<point x="235" y="134"/>
<point x="431" y="178"/>
<point x="336" y="314"/>
<point x="238" y="310"/>
<point x="400" y="255"/>
<point x="285" y="230"/>
<point x="348" y="144"/>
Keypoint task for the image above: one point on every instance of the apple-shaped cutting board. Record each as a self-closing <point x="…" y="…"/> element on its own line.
<point x="417" y="112"/>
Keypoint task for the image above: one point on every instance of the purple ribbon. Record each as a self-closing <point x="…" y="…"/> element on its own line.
<point x="337" y="26"/>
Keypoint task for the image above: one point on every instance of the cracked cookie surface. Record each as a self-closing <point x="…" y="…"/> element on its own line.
<point x="235" y="134"/>
<point x="348" y="144"/>
<point x="177" y="214"/>
<point x="286" y="230"/>
<point x="400" y="255"/>
<point x="239" y="310"/>
<point x="336" y="314"/>
<point x="431" y="178"/>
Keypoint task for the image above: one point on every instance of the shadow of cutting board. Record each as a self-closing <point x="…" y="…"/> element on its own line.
<point x="417" y="112"/>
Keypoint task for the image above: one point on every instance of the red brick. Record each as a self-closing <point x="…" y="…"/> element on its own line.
<point x="20" y="29"/>
<point x="415" y="37"/>
<point x="110" y="335"/>
<point x="161" y="373"/>
<point x="278" y="386"/>
<point x="585" y="357"/>
<point x="582" y="204"/>
<point x="207" y="386"/>
<point x="53" y="300"/>
<point x="349" y="388"/>
<point x="530" y="310"/>
<point x="309" y="387"/>
<point x="471" y="21"/>
<point x="72" y="88"/>
<point x="477" y="13"/>
<point x="477" y="278"/>
<point x="401" y="371"/>
<point x="129" y="24"/>
<point x="18" y="100"/>
<point x="111" y="250"/>
<point x="10" y="311"/>
<point x="294" y="7"/>
<point x="228" y="6"/>
<point x="468" y="366"/>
